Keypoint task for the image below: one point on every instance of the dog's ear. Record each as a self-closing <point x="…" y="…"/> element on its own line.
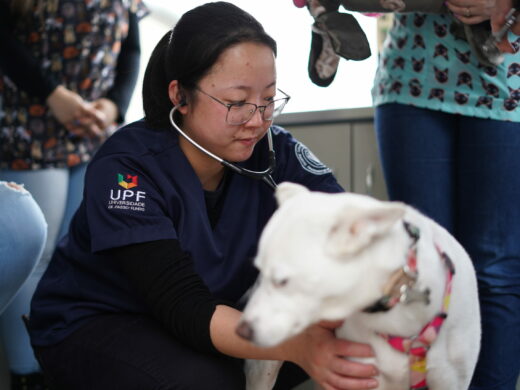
<point x="287" y="190"/>
<point x="354" y="230"/>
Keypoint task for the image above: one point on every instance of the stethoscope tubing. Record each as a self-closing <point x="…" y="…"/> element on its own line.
<point x="264" y="175"/>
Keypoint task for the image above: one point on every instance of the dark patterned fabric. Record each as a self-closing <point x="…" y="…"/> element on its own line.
<point x="77" y="42"/>
<point x="424" y="64"/>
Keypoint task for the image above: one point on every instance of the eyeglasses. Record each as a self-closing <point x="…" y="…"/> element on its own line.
<point x="240" y="113"/>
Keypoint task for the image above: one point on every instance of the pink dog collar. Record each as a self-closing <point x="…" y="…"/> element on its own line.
<point x="417" y="347"/>
<point x="401" y="285"/>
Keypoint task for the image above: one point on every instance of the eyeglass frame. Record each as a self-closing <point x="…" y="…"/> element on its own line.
<point x="257" y="107"/>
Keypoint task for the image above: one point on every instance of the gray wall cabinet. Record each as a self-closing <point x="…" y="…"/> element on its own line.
<point x="345" y="141"/>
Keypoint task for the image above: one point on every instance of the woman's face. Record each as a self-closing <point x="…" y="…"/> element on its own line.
<point x="245" y="72"/>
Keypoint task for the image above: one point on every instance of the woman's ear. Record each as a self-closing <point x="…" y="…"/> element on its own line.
<point x="176" y="95"/>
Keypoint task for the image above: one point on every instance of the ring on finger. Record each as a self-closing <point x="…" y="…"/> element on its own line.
<point x="467" y="14"/>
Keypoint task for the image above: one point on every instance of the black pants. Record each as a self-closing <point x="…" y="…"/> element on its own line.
<point x="131" y="352"/>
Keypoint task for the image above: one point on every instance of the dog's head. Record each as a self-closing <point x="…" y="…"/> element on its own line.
<point x="319" y="257"/>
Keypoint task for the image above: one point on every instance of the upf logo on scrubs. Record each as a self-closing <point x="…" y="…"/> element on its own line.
<point x="121" y="181"/>
<point x="127" y="199"/>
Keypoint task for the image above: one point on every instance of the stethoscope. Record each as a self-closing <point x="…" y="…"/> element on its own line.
<point x="265" y="175"/>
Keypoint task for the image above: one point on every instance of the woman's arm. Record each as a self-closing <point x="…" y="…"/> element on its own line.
<point x="127" y="70"/>
<point x="498" y="20"/>
<point x="163" y="273"/>
<point x="316" y="350"/>
<point x="28" y="75"/>
<point x="502" y="9"/>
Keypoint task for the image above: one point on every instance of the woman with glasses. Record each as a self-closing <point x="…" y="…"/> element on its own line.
<point x="145" y="291"/>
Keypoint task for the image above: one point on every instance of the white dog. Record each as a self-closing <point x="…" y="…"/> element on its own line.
<point x="382" y="267"/>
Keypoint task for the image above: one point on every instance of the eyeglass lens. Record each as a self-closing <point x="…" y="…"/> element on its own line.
<point x="239" y="114"/>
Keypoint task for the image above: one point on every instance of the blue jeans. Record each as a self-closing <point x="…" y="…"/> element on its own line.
<point x="58" y="192"/>
<point x="464" y="173"/>
<point x="22" y="235"/>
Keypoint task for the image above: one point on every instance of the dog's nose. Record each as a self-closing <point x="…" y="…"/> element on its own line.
<point x="245" y="330"/>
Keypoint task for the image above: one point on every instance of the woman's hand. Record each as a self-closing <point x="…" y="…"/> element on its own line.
<point x="104" y="122"/>
<point x="109" y="110"/>
<point x="100" y="120"/>
<point x="316" y="350"/>
<point x="498" y="19"/>
<point x="471" y="11"/>
<point x="325" y="358"/>
<point x="79" y="117"/>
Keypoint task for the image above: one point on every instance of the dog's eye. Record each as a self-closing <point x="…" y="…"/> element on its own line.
<point x="280" y="282"/>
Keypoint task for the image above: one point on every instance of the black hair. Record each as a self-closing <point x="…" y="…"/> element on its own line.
<point x="188" y="52"/>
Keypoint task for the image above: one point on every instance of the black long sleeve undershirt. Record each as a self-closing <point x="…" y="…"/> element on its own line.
<point x="164" y="275"/>
<point x="19" y="64"/>
<point x="179" y="299"/>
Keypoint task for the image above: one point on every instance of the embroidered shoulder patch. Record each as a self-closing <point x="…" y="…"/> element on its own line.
<point x="131" y="198"/>
<point x="309" y="161"/>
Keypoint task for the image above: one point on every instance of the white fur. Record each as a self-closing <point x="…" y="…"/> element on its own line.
<point x="329" y="256"/>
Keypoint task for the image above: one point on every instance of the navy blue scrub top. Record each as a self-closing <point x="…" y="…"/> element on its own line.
<point x="140" y="187"/>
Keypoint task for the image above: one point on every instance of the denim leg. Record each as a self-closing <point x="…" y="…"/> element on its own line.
<point x="463" y="172"/>
<point x="417" y="150"/>
<point x="50" y="188"/>
<point x="74" y="196"/>
<point x="23" y="231"/>
<point x="488" y="226"/>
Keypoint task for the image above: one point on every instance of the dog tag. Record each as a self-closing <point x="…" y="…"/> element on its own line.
<point x="410" y="295"/>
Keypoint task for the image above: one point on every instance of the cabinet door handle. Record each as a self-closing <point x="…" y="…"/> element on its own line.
<point x="369" y="179"/>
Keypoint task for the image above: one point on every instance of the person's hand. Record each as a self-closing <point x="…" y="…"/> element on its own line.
<point x="498" y="19"/>
<point x="89" y="123"/>
<point x="471" y="11"/>
<point x="79" y="117"/>
<point x="109" y="110"/>
<point x="325" y="358"/>
<point x="100" y="120"/>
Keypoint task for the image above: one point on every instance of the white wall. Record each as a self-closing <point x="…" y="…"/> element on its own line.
<point x="291" y="28"/>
